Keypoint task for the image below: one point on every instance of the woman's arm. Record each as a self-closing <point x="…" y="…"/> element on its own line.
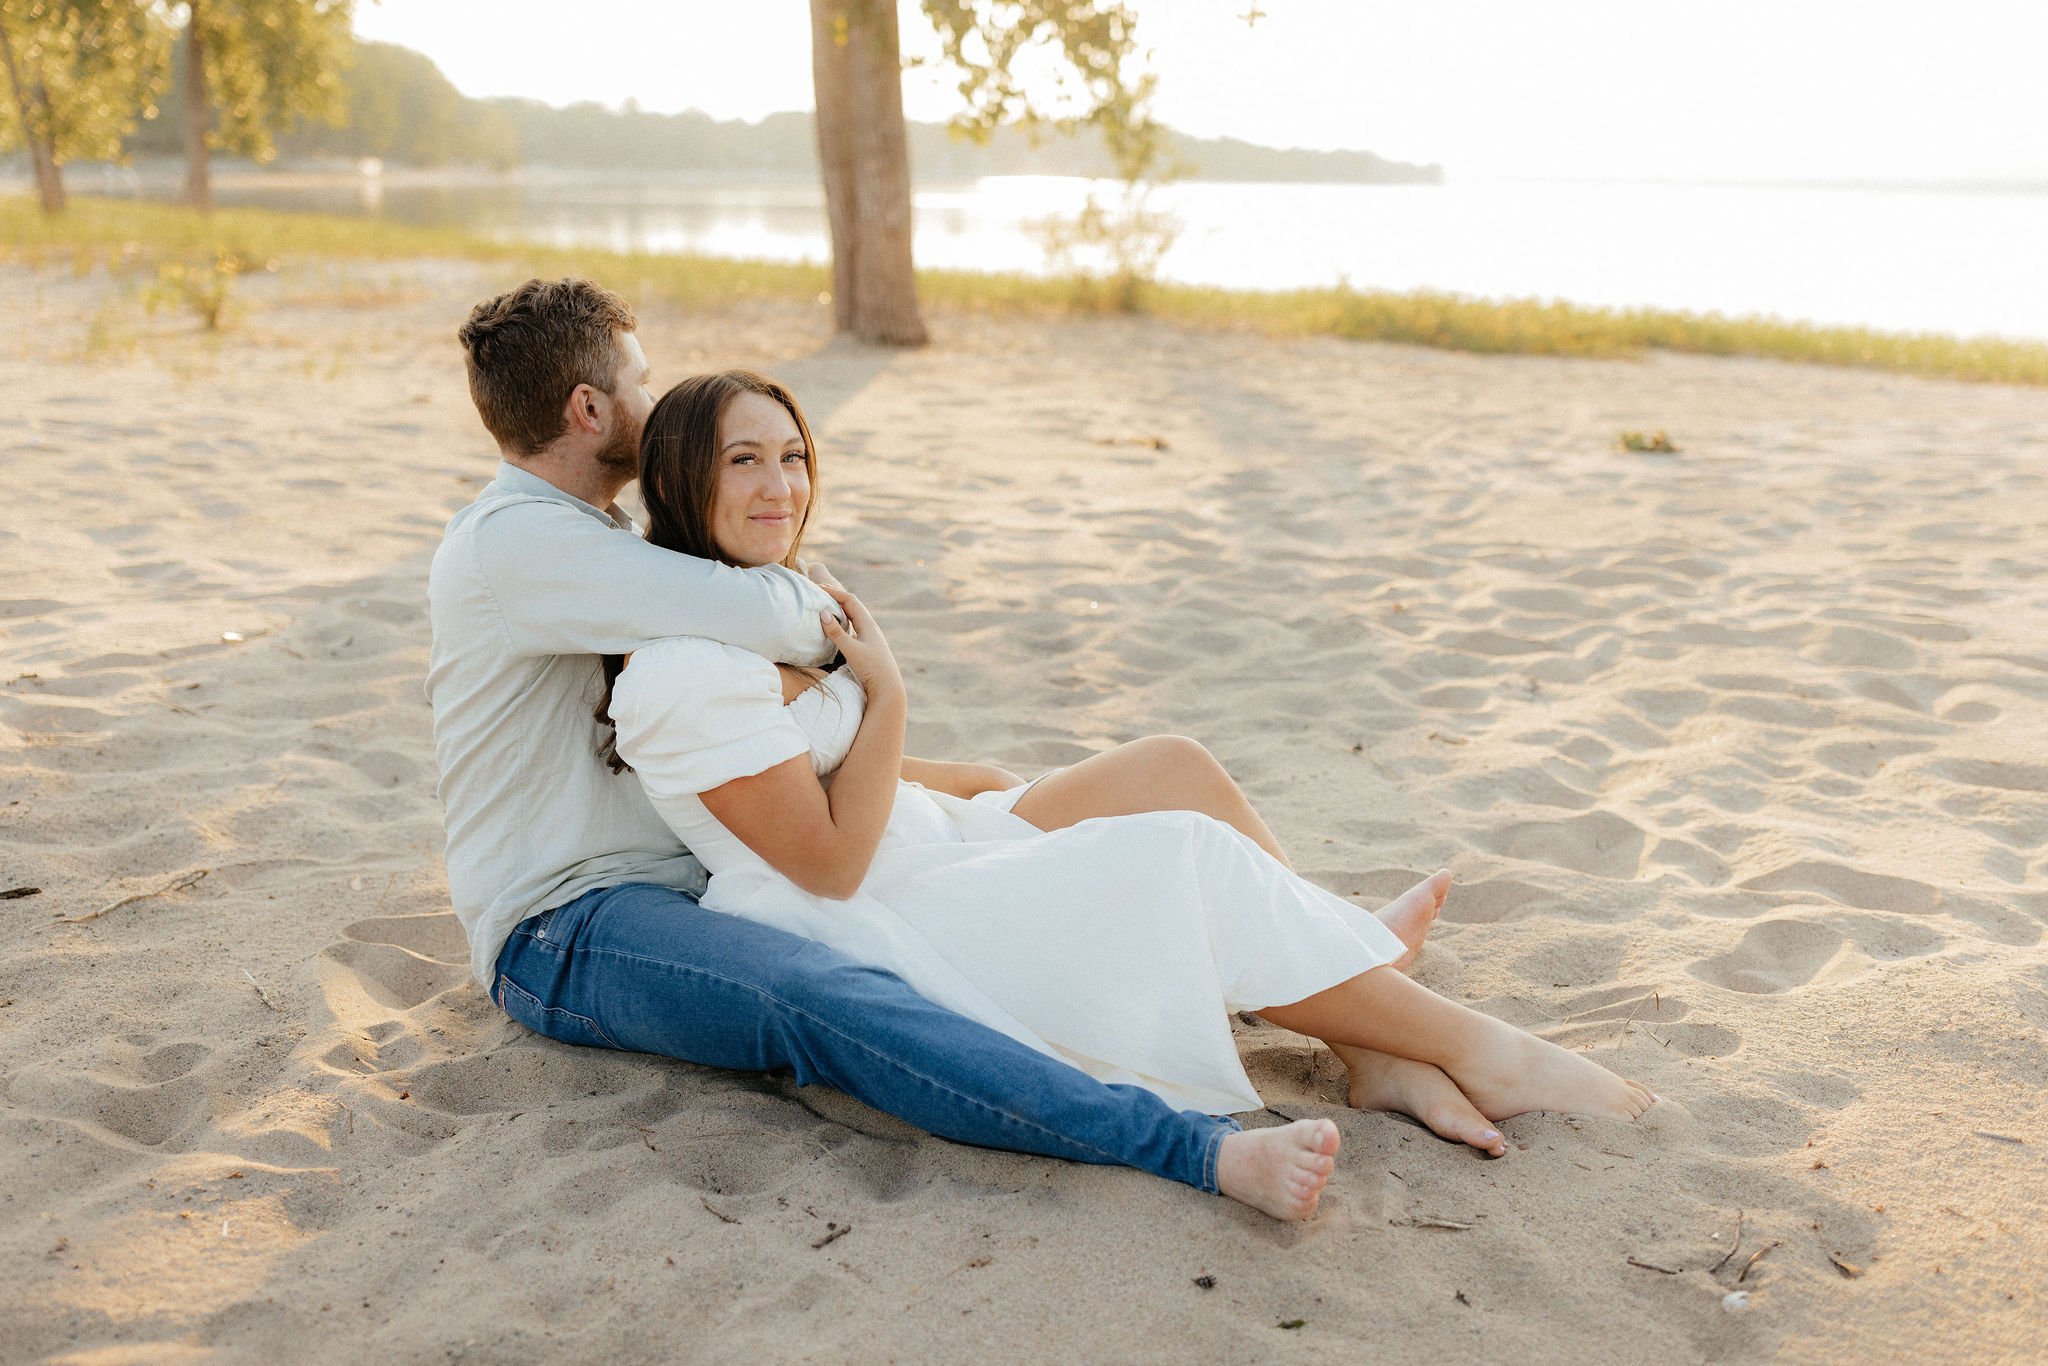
<point x="822" y="840"/>
<point x="958" y="780"/>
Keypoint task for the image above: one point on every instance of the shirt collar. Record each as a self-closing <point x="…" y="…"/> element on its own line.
<point x="513" y="479"/>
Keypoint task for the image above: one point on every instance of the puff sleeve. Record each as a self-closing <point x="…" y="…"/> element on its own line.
<point x="695" y="714"/>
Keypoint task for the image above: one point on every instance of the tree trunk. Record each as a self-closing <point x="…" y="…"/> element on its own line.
<point x="864" y="155"/>
<point x="198" y="113"/>
<point x="35" y="132"/>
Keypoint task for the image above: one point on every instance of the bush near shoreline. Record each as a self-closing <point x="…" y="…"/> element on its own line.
<point x="133" y="235"/>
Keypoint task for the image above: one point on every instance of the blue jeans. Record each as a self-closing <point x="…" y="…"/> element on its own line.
<point x="647" y="969"/>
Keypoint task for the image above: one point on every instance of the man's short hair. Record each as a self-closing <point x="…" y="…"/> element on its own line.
<point x="529" y="349"/>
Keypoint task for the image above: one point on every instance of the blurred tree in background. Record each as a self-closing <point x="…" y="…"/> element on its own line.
<point x="82" y="74"/>
<point x="863" y="156"/>
<point x="1098" y="84"/>
<point x="249" y="69"/>
<point x="399" y="107"/>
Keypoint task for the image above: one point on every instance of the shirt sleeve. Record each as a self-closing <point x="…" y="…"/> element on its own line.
<point x="696" y="714"/>
<point x="566" y="583"/>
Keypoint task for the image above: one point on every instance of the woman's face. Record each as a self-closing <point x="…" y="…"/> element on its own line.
<point x="764" y="482"/>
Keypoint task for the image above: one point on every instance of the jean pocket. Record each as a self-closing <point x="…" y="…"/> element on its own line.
<point x="563" y="1026"/>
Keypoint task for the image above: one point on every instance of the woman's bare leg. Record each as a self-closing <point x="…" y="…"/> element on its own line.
<point x="1157" y="773"/>
<point x="1422" y="1090"/>
<point x="1174" y="773"/>
<point x="1503" y="1070"/>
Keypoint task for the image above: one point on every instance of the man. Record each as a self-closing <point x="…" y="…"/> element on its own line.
<point x="579" y="902"/>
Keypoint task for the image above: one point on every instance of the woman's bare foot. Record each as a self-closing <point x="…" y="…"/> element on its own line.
<point x="1513" y="1072"/>
<point x="1380" y="1081"/>
<point x="1411" y="914"/>
<point x="1279" y="1171"/>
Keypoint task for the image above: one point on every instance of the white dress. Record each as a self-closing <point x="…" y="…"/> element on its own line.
<point x="1119" y="944"/>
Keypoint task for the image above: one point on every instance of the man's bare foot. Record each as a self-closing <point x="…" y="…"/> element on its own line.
<point x="1380" y="1081"/>
<point x="1279" y="1171"/>
<point x="1514" y="1072"/>
<point x="1411" y="914"/>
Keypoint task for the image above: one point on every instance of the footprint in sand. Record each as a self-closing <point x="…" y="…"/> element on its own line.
<point x="1849" y="886"/>
<point x="1599" y="843"/>
<point x="2008" y="777"/>
<point x="388" y="976"/>
<point x="1780" y="955"/>
<point x="138" y="1093"/>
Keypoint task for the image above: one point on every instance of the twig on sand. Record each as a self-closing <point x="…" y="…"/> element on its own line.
<point x="15" y="893"/>
<point x="262" y="995"/>
<point x="1732" y="1247"/>
<point x="1652" y="1266"/>
<point x="1754" y="1258"/>
<point x="176" y="884"/>
<point x="722" y="1216"/>
<point x="1997" y="1138"/>
<point x="646" y="1135"/>
<point x="1620" y="1042"/>
<point x="1431" y="1221"/>
<point x="833" y="1233"/>
<point x="1849" y="1269"/>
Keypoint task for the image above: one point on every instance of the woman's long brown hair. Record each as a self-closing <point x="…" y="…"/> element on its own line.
<point x="679" y="484"/>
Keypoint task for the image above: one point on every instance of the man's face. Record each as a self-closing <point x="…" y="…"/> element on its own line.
<point x="631" y="402"/>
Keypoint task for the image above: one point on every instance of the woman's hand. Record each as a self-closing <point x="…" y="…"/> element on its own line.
<point x="861" y="641"/>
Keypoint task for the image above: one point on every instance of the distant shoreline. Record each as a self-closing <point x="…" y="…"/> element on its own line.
<point x="335" y="173"/>
<point x="138" y="236"/>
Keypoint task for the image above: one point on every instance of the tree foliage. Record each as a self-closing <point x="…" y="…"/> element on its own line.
<point x="270" y="65"/>
<point x="81" y="74"/>
<point x="1100" y="82"/>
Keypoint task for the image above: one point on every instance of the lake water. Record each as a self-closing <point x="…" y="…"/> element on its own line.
<point x="1960" y="261"/>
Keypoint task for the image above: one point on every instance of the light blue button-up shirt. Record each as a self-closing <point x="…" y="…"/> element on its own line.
<point x="529" y="587"/>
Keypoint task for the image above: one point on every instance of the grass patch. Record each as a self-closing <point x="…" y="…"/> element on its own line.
<point x="125" y="234"/>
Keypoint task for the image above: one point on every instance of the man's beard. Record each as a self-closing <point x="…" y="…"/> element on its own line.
<point x="621" y="452"/>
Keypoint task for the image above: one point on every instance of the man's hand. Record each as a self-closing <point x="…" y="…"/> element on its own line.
<point x="817" y="573"/>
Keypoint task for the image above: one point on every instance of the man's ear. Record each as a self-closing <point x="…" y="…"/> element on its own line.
<point x="582" y="411"/>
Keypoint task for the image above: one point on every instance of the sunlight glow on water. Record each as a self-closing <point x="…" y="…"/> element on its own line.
<point x="1964" y="262"/>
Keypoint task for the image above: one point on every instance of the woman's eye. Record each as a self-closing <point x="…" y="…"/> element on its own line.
<point x="797" y="456"/>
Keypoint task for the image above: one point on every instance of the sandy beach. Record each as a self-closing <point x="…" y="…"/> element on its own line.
<point x="1739" y="754"/>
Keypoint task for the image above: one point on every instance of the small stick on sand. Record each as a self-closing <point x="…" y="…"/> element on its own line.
<point x="1849" y="1269"/>
<point x="1620" y="1042"/>
<point x="646" y="1135"/>
<point x="1652" y="1266"/>
<point x="722" y="1216"/>
<point x="833" y="1233"/>
<point x="261" y="995"/>
<point x="1997" y="1138"/>
<point x="176" y="884"/>
<point x="13" y="893"/>
<point x="1431" y="1221"/>
<point x="1732" y="1247"/>
<point x="1754" y="1258"/>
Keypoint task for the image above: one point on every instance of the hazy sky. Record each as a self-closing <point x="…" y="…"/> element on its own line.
<point x="1626" y="88"/>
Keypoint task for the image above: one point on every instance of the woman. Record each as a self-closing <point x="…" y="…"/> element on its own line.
<point x="1118" y="943"/>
